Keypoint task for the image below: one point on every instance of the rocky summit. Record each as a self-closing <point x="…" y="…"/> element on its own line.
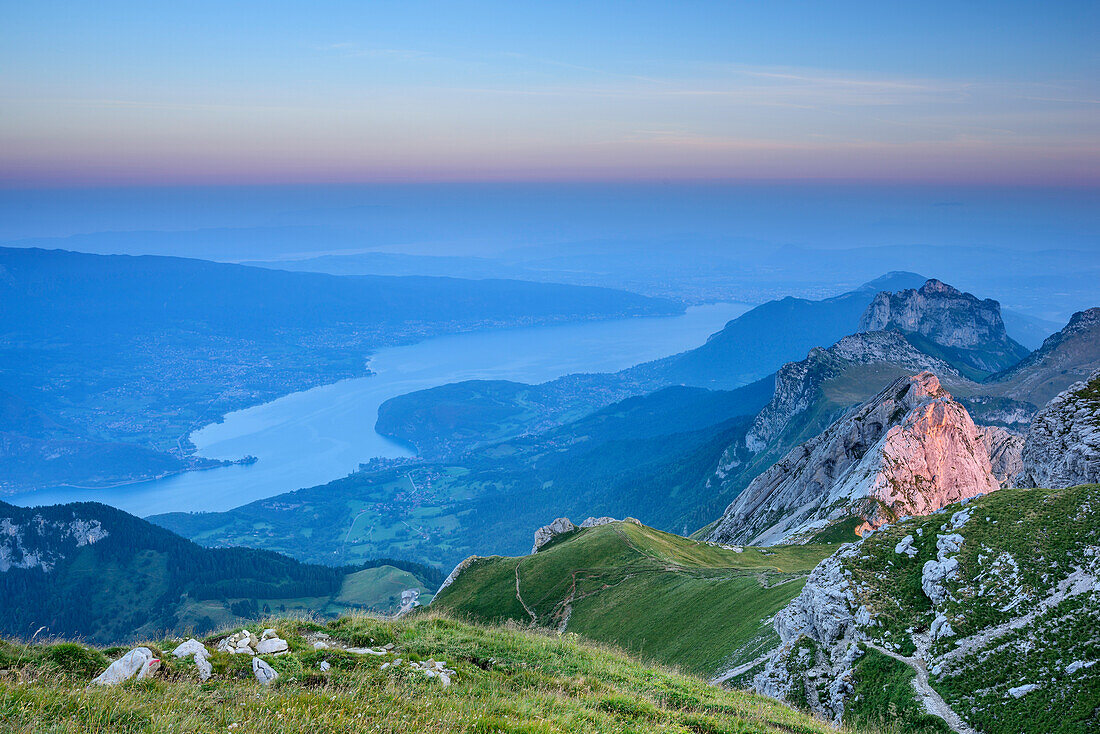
<point x="969" y="329"/>
<point x="1062" y="448"/>
<point x="909" y="450"/>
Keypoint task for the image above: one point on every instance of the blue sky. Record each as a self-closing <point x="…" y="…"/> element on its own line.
<point x="297" y="92"/>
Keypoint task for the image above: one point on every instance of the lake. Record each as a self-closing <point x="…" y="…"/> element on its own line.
<point x="314" y="436"/>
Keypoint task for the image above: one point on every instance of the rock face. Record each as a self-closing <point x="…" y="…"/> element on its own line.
<point x="1062" y="448"/>
<point x="1005" y="451"/>
<point x="798" y="385"/>
<point x="548" y="532"/>
<point x="40" y="543"/>
<point x="910" y="450"/>
<point x="971" y="328"/>
<point x="824" y="613"/>
<point x="1066" y="357"/>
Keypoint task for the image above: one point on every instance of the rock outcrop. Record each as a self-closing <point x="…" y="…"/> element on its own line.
<point x="564" y="525"/>
<point x="1041" y="641"/>
<point x="909" y="450"/>
<point x="1062" y="448"/>
<point x="1005" y="450"/>
<point x="548" y="532"/>
<point x="798" y="386"/>
<point x="825" y="613"/>
<point x="970" y="328"/>
<point x="462" y="566"/>
<point x="139" y="661"/>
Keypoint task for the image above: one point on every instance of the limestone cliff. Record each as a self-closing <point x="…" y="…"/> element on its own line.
<point x="1062" y="448"/>
<point x="798" y="385"/>
<point x="968" y="330"/>
<point x="909" y="450"/>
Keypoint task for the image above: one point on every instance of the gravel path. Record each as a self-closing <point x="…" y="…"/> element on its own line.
<point x="933" y="702"/>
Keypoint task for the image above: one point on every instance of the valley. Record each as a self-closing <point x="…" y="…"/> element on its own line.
<point x="323" y="434"/>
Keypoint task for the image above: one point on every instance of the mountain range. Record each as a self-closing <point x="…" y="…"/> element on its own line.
<point x="854" y="533"/>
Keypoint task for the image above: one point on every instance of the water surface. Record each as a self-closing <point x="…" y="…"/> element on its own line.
<point x="315" y="436"/>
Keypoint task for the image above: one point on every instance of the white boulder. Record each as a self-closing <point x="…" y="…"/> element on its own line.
<point x="190" y="648"/>
<point x="135" y="661"/>
<point x="264" y="673"/>
<point x="1021" y="691"/>
<point x="203" y="666"/>
<point x="271" y="645"/>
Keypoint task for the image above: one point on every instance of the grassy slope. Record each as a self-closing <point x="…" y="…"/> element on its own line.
<point x="1018" y="544"/>
<point x="506" y="681"/>
<point x="664" y="597"/>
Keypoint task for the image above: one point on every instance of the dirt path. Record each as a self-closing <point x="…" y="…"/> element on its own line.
<point x="933" y="702"/>
<point x="744" y="668"/>
<point x="534" y="617"/>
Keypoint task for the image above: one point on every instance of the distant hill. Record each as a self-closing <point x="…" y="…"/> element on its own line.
<point x="88" y="570"/>
<point x="634" y="587"/>
<point x="120" y="357"/>
<point x="760" y="341"/>
<point x="1067" y="356"/>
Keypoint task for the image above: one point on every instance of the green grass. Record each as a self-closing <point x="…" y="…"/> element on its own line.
<point x="506" y="680"/>
<point x="885" y="697"/>
<point x="1018" y="544"/>
<point x="663" y="597"/>
<point x="378" y="588"/>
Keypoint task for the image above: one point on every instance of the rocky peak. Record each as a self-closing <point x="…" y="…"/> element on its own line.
<point x="1062" y="448"/>
<point x="797" y="383"/>
<point x="971" y="328"/>
<point x="909" y="450"/>
<point x="1070" y="355"/>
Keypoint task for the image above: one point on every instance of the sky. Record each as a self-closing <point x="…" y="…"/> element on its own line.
<point x="138" y="93"/>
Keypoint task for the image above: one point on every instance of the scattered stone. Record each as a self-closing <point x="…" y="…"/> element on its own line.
<point x="1078" y="665"/>
<point x="272" y="645"/>
<point x="190" y="648"/>
<point x="906" y="547"/>
<point x="324" y="666"/>
<point x="941" y="628"/>
<point x="239" y="643"/>
<point x="264" y="673"/>
<point x="204" y="667"/>
<point x="135" y="661"/>
<point x="1021" y="691"/>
